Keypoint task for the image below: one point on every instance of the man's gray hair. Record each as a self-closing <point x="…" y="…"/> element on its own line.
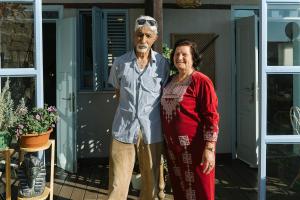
<point x="147" y="21"/>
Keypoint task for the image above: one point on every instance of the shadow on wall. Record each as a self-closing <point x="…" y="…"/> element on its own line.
<point x="94" y="120"/>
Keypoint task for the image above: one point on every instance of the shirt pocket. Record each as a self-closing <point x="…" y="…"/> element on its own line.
<point x="126" y="82"/>
<point x="152" y="83"/>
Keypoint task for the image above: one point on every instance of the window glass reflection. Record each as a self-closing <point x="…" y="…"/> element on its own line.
<point x="16" y="36"/>
<point x="21" y="87"/>
<point x="282" y="99"/>
<point x="283" y="172"/>
<point x="283" y="35"/>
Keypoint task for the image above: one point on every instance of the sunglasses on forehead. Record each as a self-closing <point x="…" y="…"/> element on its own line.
<point x="143" y="21"/>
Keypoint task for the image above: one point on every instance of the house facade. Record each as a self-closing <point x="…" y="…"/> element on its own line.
<point x="95" y="23"/>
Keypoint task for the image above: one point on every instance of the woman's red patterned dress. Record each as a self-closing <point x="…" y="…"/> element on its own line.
<point x="189" y="118"/>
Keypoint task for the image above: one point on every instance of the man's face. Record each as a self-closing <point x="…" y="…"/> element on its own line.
<point x="143" y="39"/>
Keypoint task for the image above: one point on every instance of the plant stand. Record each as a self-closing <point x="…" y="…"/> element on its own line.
<point x="7" y="154"/>
<point x="48" y="190"/>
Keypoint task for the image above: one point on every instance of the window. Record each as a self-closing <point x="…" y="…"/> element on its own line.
<point x="103" y="37"/>
<point x="20" y="49"/>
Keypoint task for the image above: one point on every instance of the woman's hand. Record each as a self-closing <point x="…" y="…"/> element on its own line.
<point x="208" y="157"/>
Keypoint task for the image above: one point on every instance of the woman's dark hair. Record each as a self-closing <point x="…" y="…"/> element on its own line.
<point x="194" y="51"/>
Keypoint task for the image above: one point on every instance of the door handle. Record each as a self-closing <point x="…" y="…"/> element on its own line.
<point x="73" y="102"/>
<point x="71" y="98"/>
<point x="251" y="88"/>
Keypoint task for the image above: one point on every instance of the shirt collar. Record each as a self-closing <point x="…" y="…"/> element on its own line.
<point x="153" y="55"/>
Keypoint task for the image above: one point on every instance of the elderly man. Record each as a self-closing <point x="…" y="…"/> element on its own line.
<point x="138" y="77"/>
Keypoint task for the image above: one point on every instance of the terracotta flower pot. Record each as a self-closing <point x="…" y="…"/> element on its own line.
<point x="35" y="140"/>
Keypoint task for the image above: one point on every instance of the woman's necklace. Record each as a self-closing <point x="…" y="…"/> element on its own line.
<point x="181" y="77"/>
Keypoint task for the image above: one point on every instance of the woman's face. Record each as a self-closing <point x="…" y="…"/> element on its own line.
<point x="183" y="59"/>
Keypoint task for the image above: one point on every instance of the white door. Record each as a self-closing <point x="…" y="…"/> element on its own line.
<point x="66" y="91"/>
<point x="247" y="83"/>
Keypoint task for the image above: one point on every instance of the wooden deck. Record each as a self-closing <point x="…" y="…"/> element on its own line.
<point x="234" y="181"/>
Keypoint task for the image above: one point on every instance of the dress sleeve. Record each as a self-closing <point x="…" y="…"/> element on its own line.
<point x="208" y="101"/>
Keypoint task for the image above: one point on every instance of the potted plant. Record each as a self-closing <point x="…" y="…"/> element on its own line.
<point x="34" y="126"/>
<point x="8" y="116"/>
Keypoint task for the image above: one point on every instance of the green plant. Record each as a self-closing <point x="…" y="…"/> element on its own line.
<point x="35" y="121"/>
<point x="167" y="54"/>
<point x="166" y="51"/>
<point x="8" y="116"/>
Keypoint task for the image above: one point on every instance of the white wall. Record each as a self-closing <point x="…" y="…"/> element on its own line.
<point x="209" y="21"/>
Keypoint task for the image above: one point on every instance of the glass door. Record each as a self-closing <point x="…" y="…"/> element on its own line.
<point x="21" y="56"/>
<point x="280" y="100"/>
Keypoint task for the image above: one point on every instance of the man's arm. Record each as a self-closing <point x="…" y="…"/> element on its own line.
<point x="117" y="91"/>
<point x="113" y="79"/>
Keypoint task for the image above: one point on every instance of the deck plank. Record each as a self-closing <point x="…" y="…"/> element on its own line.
<point x="68" y="187"/>
<point x="60" y="177"/>
<point x="93" y="183"/>
<point x="102" y="171"/>
<point x="227" y="186"/>
<point x="81" y="184"/>
<point x="239" y="175"/>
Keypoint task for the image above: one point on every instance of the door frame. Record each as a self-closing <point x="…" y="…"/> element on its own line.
<point x="59" y="9"/>
<point x="233" y="116"/>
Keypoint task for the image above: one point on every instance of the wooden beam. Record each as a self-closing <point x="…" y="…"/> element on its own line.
<point x="99" y="5"/>
<point x="203" y="6"/>
<point x="137" y="5"/>
<point x="154" y="8"/>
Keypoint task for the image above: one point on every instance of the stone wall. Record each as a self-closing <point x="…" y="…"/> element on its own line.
<point x="16" y="41"/>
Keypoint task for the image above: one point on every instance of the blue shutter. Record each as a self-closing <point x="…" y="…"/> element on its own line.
<point x="110" y="40"/>
<point x="98" y="50"/>
<point x="116" y="38"/>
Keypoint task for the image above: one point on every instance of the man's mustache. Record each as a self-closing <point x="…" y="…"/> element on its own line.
<point x="142" y="46"/>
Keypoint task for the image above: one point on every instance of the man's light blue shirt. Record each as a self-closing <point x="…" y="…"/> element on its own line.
<point x="140" y="92"/>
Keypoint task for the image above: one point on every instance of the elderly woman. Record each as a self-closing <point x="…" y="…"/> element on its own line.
<point x="190" y="125"/>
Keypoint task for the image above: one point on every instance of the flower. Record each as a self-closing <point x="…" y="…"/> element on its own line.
<point x="35" y="121"/>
